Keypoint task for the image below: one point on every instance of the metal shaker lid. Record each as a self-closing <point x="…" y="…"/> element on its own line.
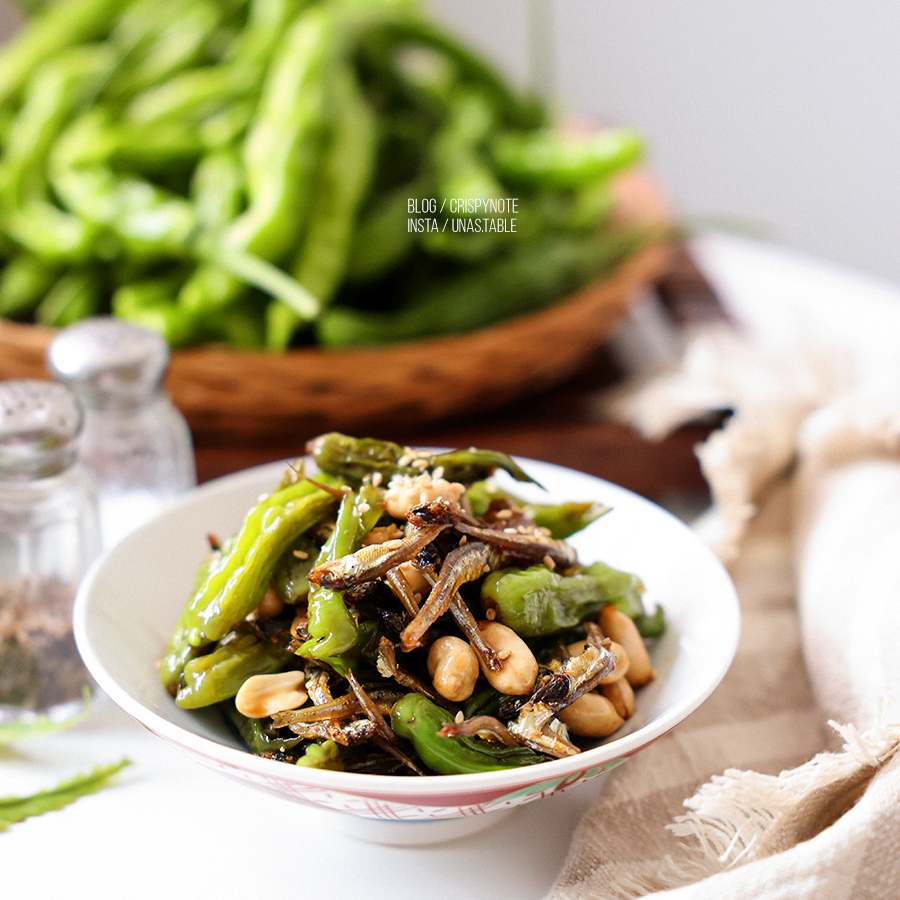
<point x="39" y="422"/>
<point x="108" y="362"/>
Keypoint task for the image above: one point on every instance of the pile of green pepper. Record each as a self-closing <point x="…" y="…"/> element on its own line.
<point x="315" y="589"/>
<point x="275" y="173"/>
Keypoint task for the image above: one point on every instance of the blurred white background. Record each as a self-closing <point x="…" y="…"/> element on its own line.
<point x="778" y="118"/>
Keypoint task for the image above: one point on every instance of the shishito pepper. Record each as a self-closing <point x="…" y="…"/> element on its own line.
<point x="336" y="115"/>
<point x="562" y="520"/>
<point x="545" y="158"/>
<point x="234" y="582"/>
<point x="219" y="675"/>
<point x="355" y="458"/>
<point x="259" y="734"/>
<point x="332" y="629"/>
<point x="538" y="601"/>
<point x="290" y="575"/>
<point x="324" y="755"/>
<point x="417" y="719"/>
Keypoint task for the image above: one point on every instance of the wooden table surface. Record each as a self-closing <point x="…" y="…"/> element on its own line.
<point x="562" y="426"/>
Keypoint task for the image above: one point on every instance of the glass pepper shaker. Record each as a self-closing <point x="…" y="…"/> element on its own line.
<point x="135" y="443"/>
<point x="49" y="534"/>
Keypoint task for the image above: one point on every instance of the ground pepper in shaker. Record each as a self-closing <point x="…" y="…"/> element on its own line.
<point x="49" y="534"/>
<point x="135" y="442"/>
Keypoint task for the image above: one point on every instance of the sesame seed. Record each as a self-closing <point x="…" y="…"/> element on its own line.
<point x="504" y="654"/>
<point x="459" y="718"/>
<point x="301" y="554"/>
<point x="548" y="562"/>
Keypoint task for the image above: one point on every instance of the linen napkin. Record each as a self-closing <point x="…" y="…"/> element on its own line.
<point x="786" y="783"/>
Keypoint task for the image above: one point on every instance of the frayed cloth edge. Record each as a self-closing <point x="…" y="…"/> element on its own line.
<point x="729" y="816"/>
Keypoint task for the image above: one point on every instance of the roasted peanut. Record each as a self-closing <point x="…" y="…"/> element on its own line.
<point x="591" y="715"/>
<point x="622" y="661"/>
<point x="405" y="492"/>
<point x="620" y="628"/>
<point x="621" y="694"/>
<point x="415" y="578"/>
<point x="382" y="535"/>
<point x="271" y="604"/>
<point x="520" y="669"/>
<point x="264" y="695"/>
<point x="453" y="666"/>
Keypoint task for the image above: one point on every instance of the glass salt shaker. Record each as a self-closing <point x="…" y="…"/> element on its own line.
<point x="135" y="443"/>
<point x="49" y="534"/>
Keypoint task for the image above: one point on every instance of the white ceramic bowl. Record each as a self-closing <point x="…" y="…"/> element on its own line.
<point x="128" y="603"/>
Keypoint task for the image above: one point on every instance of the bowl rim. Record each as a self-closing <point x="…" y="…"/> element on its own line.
<point x="599" y="757"/>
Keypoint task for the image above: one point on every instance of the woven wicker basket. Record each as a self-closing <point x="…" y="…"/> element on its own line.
<point x="231" y="394"/>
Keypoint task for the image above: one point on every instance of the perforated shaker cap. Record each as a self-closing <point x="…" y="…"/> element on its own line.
<point x="109" y="363"/>
<point x="39" y="422"/>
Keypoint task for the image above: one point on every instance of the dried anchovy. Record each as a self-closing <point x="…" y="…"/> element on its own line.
<point x="466" y="563"/>
<point x="529" y="544"/>
<point x="371" y="709"/>
<point x="318" y="685"/>
<point x="536" y="725"/>
<point x="487" y="727"/>
<point x="399" y="585"/>
<point x="355" y="732"/>
<point x="338" y="709"/>
<point x="335" y="710"/>
<point x="373" y="560"/>
<point x="467" y="624"/>
<point x="466" y="621"/>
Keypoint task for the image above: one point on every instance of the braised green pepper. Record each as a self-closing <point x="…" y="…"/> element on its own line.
<point x="538" y="601"/>
<point x="237" y="578"/>
<point x="332" y="629"/>
<point x="217" y="676"/>
<point x="419" y="720"/>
